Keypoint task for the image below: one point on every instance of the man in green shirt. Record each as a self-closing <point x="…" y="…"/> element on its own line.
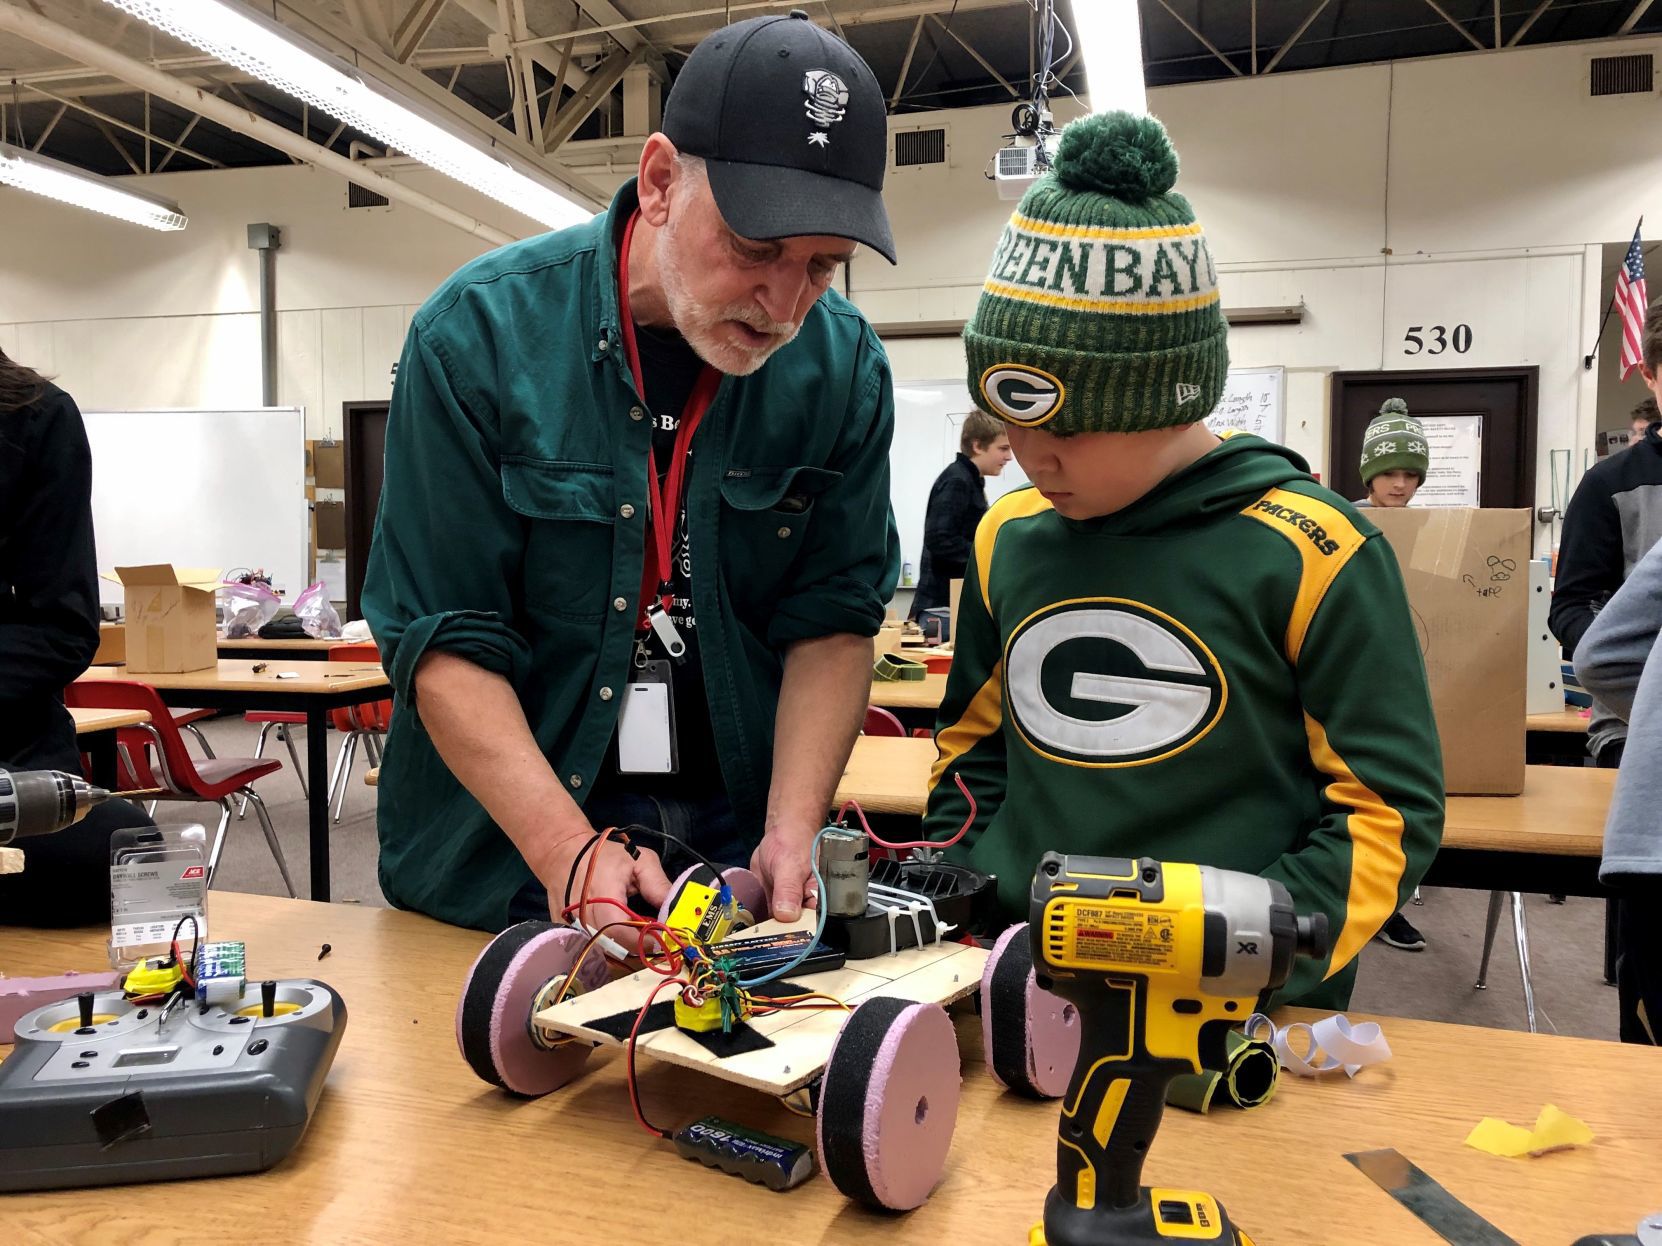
<point x="635" y="530"/>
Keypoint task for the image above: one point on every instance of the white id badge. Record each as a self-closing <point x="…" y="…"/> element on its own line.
<point x="646" y="725"/>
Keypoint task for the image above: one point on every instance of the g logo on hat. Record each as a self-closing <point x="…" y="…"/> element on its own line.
<point x="1022" y="395"/>
<point x="1103" y="682"/>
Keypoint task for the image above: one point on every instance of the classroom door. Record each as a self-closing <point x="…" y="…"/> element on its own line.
<point x="1502" y="400"/>
<point x="366" y="449"/>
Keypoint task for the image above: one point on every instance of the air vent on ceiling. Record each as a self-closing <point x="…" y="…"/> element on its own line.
<point x="1623" y="75"/>
<point x="919" y="147"/>
<point x="358" y="197"/>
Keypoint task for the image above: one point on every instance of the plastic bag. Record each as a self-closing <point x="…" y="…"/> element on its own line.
<point x="317" y="613"/>
<point x="248" y="608"/>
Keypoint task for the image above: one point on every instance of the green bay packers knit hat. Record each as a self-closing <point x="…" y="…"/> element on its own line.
<point x="1101" y="310"/>
<point x="1394" y="441"/>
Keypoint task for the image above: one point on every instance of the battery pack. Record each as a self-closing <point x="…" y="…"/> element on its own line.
<point x="759" y="1158"/>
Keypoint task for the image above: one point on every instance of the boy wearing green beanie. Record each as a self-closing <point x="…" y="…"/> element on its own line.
<point x="1159" y="646"/>
<point x="1395" y="457"/>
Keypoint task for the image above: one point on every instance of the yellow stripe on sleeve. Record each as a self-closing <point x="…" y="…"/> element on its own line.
<point x="1325" y="540"/>
<point x="1377" y="861"/>
<point x="1017" y="504"/>
<point x="981" y="717"/>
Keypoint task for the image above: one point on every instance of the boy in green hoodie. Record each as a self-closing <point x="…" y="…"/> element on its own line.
<point x="1171" y="646"/>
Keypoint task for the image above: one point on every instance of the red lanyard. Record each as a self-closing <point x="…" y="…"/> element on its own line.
<point x="665" y="498"/>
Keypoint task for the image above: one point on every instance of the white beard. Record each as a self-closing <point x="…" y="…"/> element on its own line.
<point x="702" y="327"/>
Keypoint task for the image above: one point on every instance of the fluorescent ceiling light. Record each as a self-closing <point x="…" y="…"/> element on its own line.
<point x="270" y="54"/>
<point x="25" y="170"/>
<point x="1112" y="44"/>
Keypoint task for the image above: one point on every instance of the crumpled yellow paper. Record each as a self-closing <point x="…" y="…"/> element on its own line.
<point x="1554" y="1131"/>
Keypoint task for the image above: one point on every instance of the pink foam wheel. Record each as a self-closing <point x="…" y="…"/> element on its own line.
<point x="499" y="997"/>
<point x="889" y="1102"/>
<point x="747" y="890"/>
<point x="1030" y="1036"/>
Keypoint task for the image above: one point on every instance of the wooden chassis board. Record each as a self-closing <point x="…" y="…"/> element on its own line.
<point x="942" y="974"/>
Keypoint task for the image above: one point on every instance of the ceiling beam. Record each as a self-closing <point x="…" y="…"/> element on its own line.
<point x="104" y="129"/>
<point x="28" y="25"/>
<point x="1521" y="31"/>
<point x="368" y="18"/>
<point x="484" y="12"/>
<point x="589" y="40"/>
<point x="1203" y="40"/>
<point x="906" y="64"/>
<point x="979" y="59"/>
<point x="1639" y="10"/>
<point x="196" y="120"/>
<point x="310" y="19"/>
<point x="104" y="118"/>
<point x="40" y="140"/>
<point x="408" y="34"/>
<point x="1297" y="35"/>
<point x="603" y="79"/>
<point x="1441" y="12"/>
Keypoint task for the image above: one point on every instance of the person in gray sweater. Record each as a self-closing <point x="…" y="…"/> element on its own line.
<point x="1616" y="662"/>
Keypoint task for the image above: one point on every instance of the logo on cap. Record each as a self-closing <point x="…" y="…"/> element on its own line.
<point x="826" y="102"/>
<point x="1022" y="395"/>
<point x="1187" y="393"/>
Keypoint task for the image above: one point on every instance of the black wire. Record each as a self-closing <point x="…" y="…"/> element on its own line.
<point x="195" y="943"/>
<point x="662" y="837"/>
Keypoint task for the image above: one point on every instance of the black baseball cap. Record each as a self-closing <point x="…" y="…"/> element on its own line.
<point x="791" y="125"/>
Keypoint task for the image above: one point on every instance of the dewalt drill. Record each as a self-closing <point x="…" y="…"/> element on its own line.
<point x="1160" y="960"/>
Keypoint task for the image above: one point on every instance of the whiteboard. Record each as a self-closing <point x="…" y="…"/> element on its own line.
<point x="928" y="415"/>
<point x="927" y="418"/>
<point x="1253" y="401"/>
<point x="201" y="488"/>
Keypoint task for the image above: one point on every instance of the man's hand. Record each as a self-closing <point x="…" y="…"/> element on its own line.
<point x="782" y="862"/>
<point x="617" y="876"/>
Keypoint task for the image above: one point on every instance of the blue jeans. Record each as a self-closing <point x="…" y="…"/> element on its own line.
<point x="707" y="823"/>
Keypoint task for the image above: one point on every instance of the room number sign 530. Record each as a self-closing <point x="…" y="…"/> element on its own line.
<point x="1435" y="339"/>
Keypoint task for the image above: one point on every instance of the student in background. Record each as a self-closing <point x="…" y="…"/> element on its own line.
<point x="1394" y="457"/>
<point x="1611" y="523"/>
<point x="1616" y="661"/>
<point x="1395" y="460"/>
<point x="1160" y="645"/>
<point x="48" y="635"/>
<point x="1641" y="418"/>
<point x="957" y="500"/>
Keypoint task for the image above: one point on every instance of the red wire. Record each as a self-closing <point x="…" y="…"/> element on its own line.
<point x="629" y="1063"/>
<point x="914" y="843"/>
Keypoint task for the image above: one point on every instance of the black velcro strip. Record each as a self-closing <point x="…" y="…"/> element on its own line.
<point x="661" y="1016"/>
<point x="1008" y="1008"/>
<point x="842" y="1104"/>
<point x="480" y="1000"/>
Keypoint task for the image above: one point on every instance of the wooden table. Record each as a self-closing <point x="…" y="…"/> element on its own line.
<point x="299" y="649"/>
<point x="1548" y="840"/>
<point x="285" y="686"/>
<point x="923" y="694"/>
<point x="98" y="727"/>
<point x="408" y="1146"/>
<point x="1570" y="720"/>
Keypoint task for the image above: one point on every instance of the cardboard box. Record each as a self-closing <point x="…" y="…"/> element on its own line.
<point x="888" y="639"/>
<point x="112" y="645"/>
<point x="170" y="618"/>
<point x="1467" y="572"/>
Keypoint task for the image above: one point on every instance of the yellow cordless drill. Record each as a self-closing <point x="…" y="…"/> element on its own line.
<point x="1160" y="960"/>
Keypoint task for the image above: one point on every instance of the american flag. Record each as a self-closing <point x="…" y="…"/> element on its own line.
<point x="1630" y="300"/>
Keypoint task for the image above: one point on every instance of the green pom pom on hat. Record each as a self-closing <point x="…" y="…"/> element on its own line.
<point x="1100" y="312"/>
<point x="1395" y="441"/>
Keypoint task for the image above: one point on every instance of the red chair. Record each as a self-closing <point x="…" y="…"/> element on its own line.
<point x="154" y="755"/>
<point x="367" y="722"/>
<point x="880" y="721"/>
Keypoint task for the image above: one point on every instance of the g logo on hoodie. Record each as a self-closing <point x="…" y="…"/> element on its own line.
<point x="1020" y="394"/>
<point x="1103" y="682"/>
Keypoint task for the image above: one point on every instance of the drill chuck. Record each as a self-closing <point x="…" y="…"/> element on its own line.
<point x="39" y="802"/>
